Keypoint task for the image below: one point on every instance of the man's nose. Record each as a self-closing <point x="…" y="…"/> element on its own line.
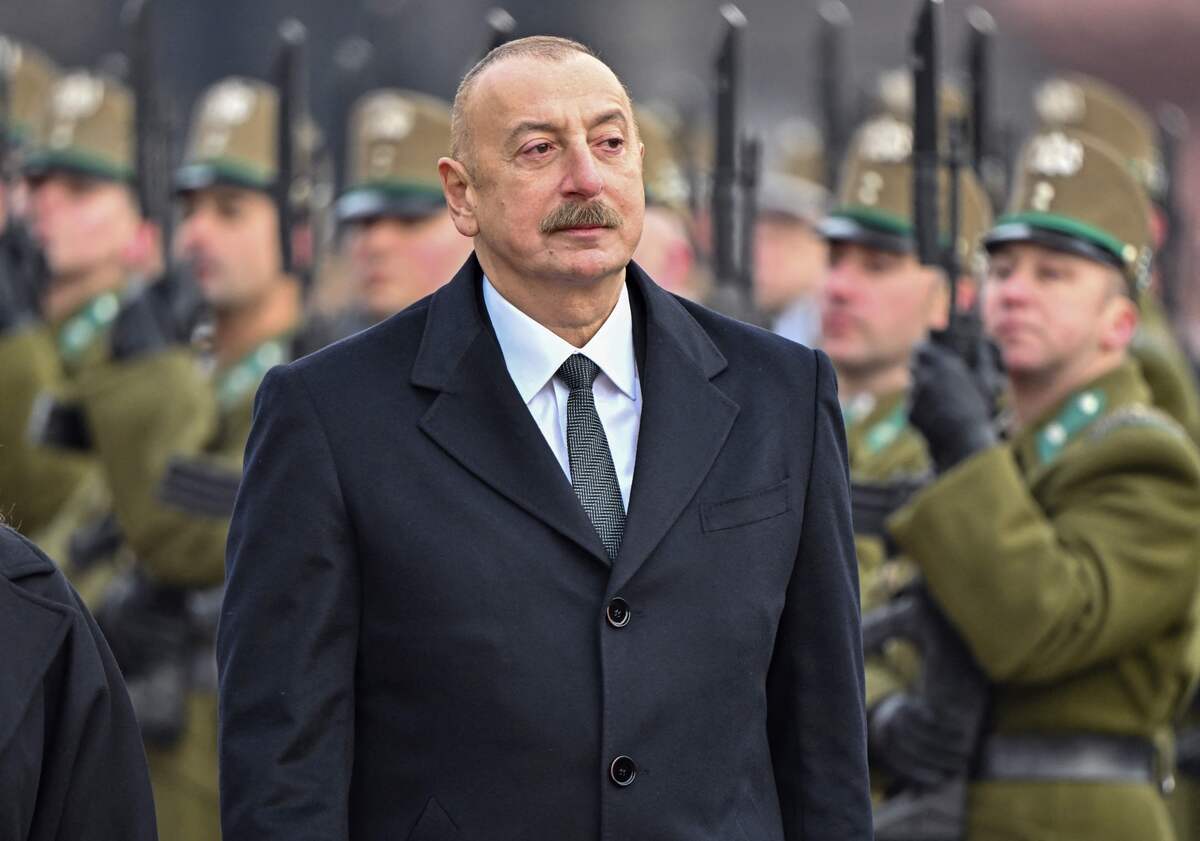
<point x="583" y="176"/>
<point x="839" y="281"/>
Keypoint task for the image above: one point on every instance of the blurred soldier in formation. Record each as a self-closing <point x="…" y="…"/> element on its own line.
<point x="879" y="304"/>
<point x="791" y="257"/>
<point x="1096" y="108"/>
<point x="1066" y="557"/>
<point x="170" y="428"/>
<point x="84" y="215"/>
<point x="666" y="251"/>
<point x="397" y="235"/>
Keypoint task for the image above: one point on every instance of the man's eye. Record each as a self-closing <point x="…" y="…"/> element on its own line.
<point x="538" y="149"/>
<point x="613" y="143"/>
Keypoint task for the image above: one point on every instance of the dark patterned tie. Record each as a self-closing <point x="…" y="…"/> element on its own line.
<point x="592" y="473"/>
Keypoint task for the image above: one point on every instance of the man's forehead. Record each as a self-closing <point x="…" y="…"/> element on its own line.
<point x="530" y="89"/>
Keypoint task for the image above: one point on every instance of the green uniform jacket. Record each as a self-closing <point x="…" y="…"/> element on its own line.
<point x="1069" y="563"/>
<point x="883" y="446"/>
<point x="143" y="413"/>
<point x="1165" y="367"/>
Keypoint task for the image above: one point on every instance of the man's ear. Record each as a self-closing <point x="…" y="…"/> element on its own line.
<point x="460" y="195"/>
<point x="1119" y="323"/>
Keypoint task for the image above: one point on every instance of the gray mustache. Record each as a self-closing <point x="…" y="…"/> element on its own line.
<point x="575" y="215"/>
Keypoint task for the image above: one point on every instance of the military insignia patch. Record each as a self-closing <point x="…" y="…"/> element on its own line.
<point x="1055" y="155"/>
<point x="886" y="140"/>
<point x="1060" y="102"/>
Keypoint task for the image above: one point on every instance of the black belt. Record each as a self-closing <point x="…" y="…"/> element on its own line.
<point x="1076" y="757"/>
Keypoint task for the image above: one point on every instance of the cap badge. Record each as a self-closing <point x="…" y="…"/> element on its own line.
<point x="389" y="119"/>
<point x="1060" y="102"/>
<point x="78" y="96"/>
<point x="886" y="140"/>
<point x="231" y="103"/>
<point x="1055" y="155"/>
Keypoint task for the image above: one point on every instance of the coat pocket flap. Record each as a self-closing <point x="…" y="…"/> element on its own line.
<point x="746" y="509"/>
<point x="434" y="825"/>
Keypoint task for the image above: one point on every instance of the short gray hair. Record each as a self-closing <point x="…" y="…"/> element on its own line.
<point x="545" y="47"/>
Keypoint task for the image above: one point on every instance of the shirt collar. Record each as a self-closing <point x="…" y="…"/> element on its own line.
<point x="533" y="353"/>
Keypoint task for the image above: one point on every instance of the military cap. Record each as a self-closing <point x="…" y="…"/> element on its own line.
<point x="233" y="137"/>
<point x="665" y="183"/>
<point x="396" y="138"/>
<point x="874" y="204"/>
<point x="1074" y="193"/>
<point x="791" y="181"/>
<point x="30" y="77"/>
<point x="88" y="129"/>
<point x="1088" y="105"/>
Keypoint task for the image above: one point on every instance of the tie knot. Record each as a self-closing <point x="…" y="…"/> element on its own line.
<point x="578" y="372"/>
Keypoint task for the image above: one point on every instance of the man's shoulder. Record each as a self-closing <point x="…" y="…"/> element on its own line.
<point x="380" y="350"/>
<point x="753" y="353"/>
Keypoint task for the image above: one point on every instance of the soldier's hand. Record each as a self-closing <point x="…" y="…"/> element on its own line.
<point x="947" y="407"/>
<point x="918" y="745"/>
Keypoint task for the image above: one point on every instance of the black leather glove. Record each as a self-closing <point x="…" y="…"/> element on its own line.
<point x="22" y="273"/>
<point x="947" y="407"/>
<point x="917" y="744"/>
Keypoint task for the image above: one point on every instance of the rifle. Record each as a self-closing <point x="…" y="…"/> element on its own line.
<point x="732" y="225"/>
<point x="964" y="331"/>
<point x="22" y="267"/>
<point x="1172" y="257"/>
<point x="832" y="77"/>
<point x="294" y="186"/>
<point x="501" y="26"/>
<point x="987" y="160"/>
<point x="951" y="683"/>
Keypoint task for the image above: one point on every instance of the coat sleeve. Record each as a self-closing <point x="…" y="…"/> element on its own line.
<point x="143" y="413"/>
<point x="94" y="784"/>
<point x="1040" y="593"/>
<point x="288" y="635"/>
<point x="102" y="763"/>
<point x="815" y="693"/>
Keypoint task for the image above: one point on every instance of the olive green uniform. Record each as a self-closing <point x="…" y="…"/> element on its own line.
<point x="1067" y="561"/>
<point x="882" y="447"/>
<point x="143" y="414"/>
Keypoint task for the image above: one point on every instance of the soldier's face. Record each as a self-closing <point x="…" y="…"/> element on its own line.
<point x="1051" y="312"/>
<point x="83" y="224"/>
<point x="395" y="262"/>
<point x="547" y="139"/>
<point x="230" y="238"/>
<point x="666" y="253"/>
<point x="790" y="262"/>
<point x="877" y="306"/>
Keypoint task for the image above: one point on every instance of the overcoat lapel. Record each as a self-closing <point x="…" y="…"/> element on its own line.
<point x="479" y="418"/>
<point x="685" y="421"/>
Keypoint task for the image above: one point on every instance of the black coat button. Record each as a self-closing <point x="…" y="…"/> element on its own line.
<point x="618" y="613"/>
<point x="623" y="770"/>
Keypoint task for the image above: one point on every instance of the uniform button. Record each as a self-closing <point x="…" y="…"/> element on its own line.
<point x="623" y="770"/>
<point x="618" y="613"/>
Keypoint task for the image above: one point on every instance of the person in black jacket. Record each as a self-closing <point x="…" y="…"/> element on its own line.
<point x="551" y="555"/>
<point x="71" y="759"/>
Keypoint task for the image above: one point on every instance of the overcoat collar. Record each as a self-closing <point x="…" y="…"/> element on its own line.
<point x="479" y="419"/>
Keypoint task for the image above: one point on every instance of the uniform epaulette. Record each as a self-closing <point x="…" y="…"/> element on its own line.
<point x="1135" y="415"/>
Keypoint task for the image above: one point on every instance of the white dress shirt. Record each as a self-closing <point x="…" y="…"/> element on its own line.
<point x="533" y="354"/>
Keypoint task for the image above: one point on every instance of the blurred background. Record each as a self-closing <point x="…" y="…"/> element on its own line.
<point x="662" y="49"/>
